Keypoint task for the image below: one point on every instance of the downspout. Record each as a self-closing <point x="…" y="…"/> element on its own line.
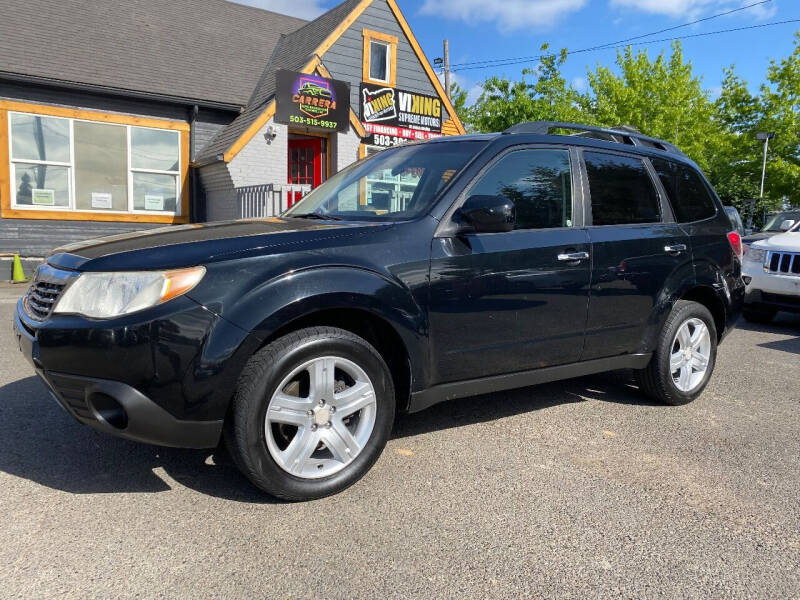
<point x="195" y="214"/>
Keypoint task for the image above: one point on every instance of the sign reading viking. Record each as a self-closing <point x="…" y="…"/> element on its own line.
<point x="311" y="101"/>
<point x="391" y="116"/>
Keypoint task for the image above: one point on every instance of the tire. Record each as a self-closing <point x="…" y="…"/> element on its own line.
<point x="657" y="380"/>
<point x="324" y="459"/>
<point x="763" y="316"/>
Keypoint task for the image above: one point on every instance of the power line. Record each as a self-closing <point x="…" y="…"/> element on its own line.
<point x="614" y="44"/>
<point x="519" y="60"/>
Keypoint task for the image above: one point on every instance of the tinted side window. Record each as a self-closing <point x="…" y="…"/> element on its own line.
<point x="690" y="198"/>
<point x="621" y="189"/>
<point x="539" y="184"/>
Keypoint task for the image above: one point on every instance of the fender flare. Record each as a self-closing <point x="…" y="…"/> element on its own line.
<point x="678" y="286"/>
<point x="272" y="305"/>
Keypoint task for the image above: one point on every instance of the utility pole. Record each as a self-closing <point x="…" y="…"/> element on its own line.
<point x="766" y="136"/>
<point x="447" y="68"/>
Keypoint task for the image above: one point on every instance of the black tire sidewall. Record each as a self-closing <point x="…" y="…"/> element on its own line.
<point x="266" y="473"/>
<point x="688" y="310"/>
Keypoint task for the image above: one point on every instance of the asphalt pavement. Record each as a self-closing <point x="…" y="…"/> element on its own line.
<point x="577" y="489"/>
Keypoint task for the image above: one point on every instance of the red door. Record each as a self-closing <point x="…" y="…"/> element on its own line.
<point x="305" y="164"/>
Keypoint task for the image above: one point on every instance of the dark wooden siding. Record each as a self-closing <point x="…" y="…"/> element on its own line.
<point x="343" y="59"/>
<point x="34" y="237"/>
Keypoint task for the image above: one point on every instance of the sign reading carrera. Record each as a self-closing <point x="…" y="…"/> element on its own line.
<point x="391" y="116"/>
<point x="311" y="101"/>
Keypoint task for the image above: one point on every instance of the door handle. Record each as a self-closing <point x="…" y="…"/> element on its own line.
<point x="675" y="249"/>
<point x="573" y="256"/>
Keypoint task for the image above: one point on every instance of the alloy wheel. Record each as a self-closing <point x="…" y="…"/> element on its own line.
<point x="320" y="417"/>
<point x="690" y="355"/>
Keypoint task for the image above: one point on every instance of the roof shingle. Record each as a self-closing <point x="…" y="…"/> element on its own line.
<point x="212" y="50"/>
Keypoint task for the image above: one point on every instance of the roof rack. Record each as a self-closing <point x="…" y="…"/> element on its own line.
<point x="621" y="135"/>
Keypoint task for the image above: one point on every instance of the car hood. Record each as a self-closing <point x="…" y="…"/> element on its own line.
<point x="788" y="242"/>
<point x="202" y="243"/>
<point x="754" y="237"/>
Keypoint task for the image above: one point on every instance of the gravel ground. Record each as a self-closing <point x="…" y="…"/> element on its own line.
<point x="575" y="489"/>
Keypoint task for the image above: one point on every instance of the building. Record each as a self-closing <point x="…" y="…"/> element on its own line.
<point x="149" y="113"/>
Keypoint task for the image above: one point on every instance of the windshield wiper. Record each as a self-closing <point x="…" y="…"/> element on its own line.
<point x="320" y="216"/>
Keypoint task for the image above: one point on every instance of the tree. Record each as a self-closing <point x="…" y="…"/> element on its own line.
<point x="736" y="172"/>
<point x="458" y="98"/>
<point x="780" y="99"/>
<point x="547" y="97"/>
<point x="660" y="97"/>
<point x="664" y="99"/>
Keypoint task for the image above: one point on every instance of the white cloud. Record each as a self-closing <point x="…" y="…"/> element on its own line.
<point x="507" y="15"/>
<point x="303" y="9"/>
<point x="693" y="9"/>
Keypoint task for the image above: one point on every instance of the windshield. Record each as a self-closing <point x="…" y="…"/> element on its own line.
<point x="774" y="222"/>
<point x="392" y="185"/>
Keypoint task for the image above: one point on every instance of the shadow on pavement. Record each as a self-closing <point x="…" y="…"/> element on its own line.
<point x="41" y="443"/>
<point x="784" y="323"/>
<point x="615" y="386"/>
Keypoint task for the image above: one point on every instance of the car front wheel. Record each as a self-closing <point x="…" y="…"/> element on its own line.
<point x="684" y="358"/>
<point x="311" y="414"/>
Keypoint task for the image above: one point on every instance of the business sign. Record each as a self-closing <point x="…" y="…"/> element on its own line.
<point x="391" y="116"/>
<point x="311" y="101"/>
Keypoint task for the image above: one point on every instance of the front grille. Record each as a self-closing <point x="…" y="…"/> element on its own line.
<point x="42" y="297"/>
<point x="785" y="263"/>
<point x="48" y="285"/>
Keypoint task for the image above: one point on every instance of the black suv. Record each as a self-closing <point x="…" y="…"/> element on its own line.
<point x="424" y="273"/>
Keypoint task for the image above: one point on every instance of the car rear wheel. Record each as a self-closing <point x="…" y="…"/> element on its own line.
<point x="684" y="358"/>
<point x="311" y="414"/>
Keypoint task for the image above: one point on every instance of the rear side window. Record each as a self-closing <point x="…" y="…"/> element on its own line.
<point x="690" y="198"/>
<point x="621" y="189"/>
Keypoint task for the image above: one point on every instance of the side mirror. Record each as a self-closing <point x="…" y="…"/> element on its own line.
<point x="486" y="214"/>
<point x="787" y="225"/>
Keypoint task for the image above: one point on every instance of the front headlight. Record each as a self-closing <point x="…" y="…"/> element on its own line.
<point x="106" y="295"/>
<point x="758" y="255"/>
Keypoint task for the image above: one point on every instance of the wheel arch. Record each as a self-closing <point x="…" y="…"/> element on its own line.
<point x="368" y="304"/>
<point x="371" y="327"/>
<point x="708" y="297"/>
<point x="687" y="288"/>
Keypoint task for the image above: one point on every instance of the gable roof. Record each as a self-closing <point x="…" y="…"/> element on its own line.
<point x="302" y="50"/>
<point x="213" y="50"/>
<point x="292" y="52"/>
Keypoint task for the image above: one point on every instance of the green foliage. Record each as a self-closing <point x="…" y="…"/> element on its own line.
<point x="663" y="98"/>
<point x="541" y="94"/>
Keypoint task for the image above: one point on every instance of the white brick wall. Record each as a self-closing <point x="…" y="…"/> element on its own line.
<point x="346" y="148"/>
<point x="260" y="162"/>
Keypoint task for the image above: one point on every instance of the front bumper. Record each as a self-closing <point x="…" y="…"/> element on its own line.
<point x="162" y="380"/>
<point x="770" y="290"/>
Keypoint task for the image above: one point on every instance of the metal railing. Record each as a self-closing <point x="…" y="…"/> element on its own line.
<point x="268" y="200"/>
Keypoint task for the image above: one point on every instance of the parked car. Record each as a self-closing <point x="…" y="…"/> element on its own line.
<point x="771" y="273"/>
<point x="776" y="223"/>
<point x="515" y="259"/>
<point x="735" y="218"/>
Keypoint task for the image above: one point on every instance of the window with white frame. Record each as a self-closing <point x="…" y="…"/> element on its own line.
<point x="73" y="164"/>
<point x="379" y="61"/>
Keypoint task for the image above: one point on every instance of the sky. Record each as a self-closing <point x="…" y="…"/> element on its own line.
<point x="480" y="30"/>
